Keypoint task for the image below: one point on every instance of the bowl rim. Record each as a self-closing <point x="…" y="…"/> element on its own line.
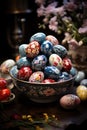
<point x="37" y="83"/>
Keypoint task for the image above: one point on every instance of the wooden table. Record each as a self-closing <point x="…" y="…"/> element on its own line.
<point x="23" y="106"/>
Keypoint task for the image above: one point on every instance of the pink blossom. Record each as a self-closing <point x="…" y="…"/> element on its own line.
<point x="51" y="8"/>
<point x="82" y="30"/>
<point x="53" y="24"/>
<point x="60" y="11"/>
<point x="73" y="44"/>
<point x="40" y="2"/>
<point x="70" y="6"/>
<point x="40" y="11"/>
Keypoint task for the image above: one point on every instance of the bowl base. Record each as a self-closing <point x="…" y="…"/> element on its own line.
<point x="44" y="100"/>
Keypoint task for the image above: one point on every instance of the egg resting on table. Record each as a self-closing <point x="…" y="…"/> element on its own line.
<point x="69" y="101"/>
<point x="81" y="91"/>
<point x="6" y="65"/>
<point x="80" y="76"/>
<point x="84" y="82"/>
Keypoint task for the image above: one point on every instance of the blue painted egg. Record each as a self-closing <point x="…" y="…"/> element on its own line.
<point x="73" y="71"/>
<point x="39" y="62"/>
<point x="84" y="82"/>
<point x="47" y="47"/>
<point x="39" y="37"/>
<point x="23" y="61"/>
<point x="80" y="76"/>
<point x="52" y="72"/>
<point x="14" y="71"/>
<point x="22" y="48"/>
<point x="60" y="50"/>
<point x="65" y="76"/>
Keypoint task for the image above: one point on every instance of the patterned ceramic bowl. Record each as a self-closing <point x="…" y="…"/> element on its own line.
<point x="42" y="92"/>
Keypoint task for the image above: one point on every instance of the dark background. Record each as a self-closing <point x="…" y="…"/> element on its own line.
<point x="8" y="12"/>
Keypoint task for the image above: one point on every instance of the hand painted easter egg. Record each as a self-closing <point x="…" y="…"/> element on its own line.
<point x="60" y="50"/>
<point x="6" y="65"/>
<point x="64" y="76"/>
<point x="52" y="39"/>
<point x="52" y="72"/>
<point x="14" y="71"/>
<point x="39" y="37"/>
<point x="73" y="71"/>
<point x="56" y="61"/>
<point x="80" y="76"/>
<point x="37" y="76"/>
<point x="5" y="94"/>
<point x="84" y="82"/>
<point x="32" y="49"/>
<point x="81" y="91"/>
<point x="67" y="64"/>
<point x="24" y="73"/>
<point x="3" y="83"/>
<point x="23" y="61"/>
<point x="48" y="81"/>
<point x="22" y="51"/>
<point x="46" y="47"/>
<point x="39" y="62"/>
<point x="69" y="101"/>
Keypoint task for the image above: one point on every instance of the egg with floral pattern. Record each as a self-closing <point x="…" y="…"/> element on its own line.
<point x="32" y="49"/>
<point x="39" y="62"/>
<point x="56" y="61"/>
<point x="37" y="76"/>
<point x="24" y="73"/>
<point x="67" y="64"/>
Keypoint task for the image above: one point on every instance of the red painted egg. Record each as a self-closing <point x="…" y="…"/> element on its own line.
<point x="3" y="83"/>
<point x="67" y="64"/>
<point x="69" y="101"/>
<point x="32" y="49"/>
<point x="4" y="94"/>
<point x="24" y="73"/>
<point x="48" y="81"/>
<point x="52" y="39"/>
